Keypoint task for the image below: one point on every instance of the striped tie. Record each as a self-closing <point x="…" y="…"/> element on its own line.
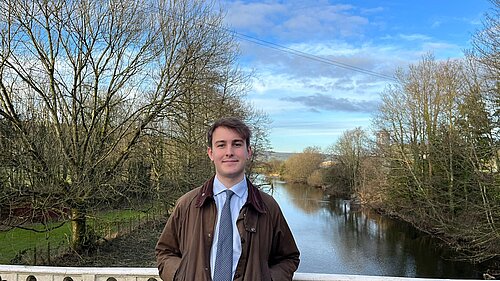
<point x="223" y="270"/>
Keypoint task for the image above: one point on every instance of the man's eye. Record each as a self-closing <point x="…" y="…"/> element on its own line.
<point x="237" y="144"/>
<point x="220" y="145"/>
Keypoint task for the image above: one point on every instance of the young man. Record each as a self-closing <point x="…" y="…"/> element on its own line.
<point x="255" y="244"/>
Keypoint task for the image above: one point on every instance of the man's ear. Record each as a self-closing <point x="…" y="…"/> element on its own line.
<point x="250" y="152"/>
<point x="209" y="152"/>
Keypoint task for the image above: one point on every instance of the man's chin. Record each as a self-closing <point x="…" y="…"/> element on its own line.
<point x="232" y="174"/>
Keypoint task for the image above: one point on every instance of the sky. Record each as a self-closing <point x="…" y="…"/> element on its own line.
<point x="320" y="67"/>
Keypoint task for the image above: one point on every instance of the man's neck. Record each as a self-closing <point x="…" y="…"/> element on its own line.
<point x="230" y="182"/>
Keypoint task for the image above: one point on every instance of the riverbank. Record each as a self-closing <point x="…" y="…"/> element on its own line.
<point x="450" y="237"/>
<point x="449" y="245"/>
<point x="135" y="249"/>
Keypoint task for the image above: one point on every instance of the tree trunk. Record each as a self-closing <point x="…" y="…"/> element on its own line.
<point x="79" y="234"/>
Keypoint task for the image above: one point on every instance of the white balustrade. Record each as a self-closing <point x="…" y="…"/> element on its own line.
<point x="48" y="273"/>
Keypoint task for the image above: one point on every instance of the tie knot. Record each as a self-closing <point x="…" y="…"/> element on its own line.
<point x="229" y="194"/>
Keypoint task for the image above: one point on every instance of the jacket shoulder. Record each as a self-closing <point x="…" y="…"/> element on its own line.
<point x="188" y="198"/>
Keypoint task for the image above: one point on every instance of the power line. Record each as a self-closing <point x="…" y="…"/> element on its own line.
<point x="285" y="49"/>
<point x="308" y="55"/>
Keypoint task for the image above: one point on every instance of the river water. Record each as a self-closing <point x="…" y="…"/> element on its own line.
<point x="335" y="238"/>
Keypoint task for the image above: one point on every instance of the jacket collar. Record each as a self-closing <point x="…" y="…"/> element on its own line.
<point x="207" y="191"/>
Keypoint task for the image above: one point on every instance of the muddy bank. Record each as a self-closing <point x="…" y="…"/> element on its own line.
<point x="135" y="249"/>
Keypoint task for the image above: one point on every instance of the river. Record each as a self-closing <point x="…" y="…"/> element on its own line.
<point x="333" y="238"/>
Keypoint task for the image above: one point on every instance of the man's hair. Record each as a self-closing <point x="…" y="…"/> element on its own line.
<point x="232" y="123"/>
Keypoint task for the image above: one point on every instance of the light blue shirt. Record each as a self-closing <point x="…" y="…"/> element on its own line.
<point x="237" y="201"/>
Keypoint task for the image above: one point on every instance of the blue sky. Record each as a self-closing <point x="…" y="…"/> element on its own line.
<point x="294" y="49"/>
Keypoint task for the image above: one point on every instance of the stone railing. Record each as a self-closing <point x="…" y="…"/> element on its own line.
<point x="47" y="273"/>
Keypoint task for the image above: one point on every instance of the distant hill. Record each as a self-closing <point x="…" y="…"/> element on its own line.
<point x="282" y="156"/>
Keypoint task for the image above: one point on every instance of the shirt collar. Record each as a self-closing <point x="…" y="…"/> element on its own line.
<point x="239" y="189"/>
<point x="254" y="197"/>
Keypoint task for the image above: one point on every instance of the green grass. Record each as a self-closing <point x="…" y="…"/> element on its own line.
<point x="115" y="215"/>
<point x="16" y="240"/>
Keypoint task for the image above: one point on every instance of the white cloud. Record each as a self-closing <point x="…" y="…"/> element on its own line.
<point x="254" y="16"/>
<point x="436" y="24"/>
<point x="375" y="10"/>
<point x="415" y="37"/>
<point x="275" y="106"/>
<point x="294" y="20"/>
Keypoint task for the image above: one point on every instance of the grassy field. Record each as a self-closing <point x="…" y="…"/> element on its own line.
<point x="17" y="240"/>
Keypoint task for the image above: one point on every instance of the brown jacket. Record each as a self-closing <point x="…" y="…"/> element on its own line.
<point x="268" y="249"/>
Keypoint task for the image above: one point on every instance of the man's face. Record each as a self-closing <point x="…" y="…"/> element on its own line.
<point x="229" y="152"/>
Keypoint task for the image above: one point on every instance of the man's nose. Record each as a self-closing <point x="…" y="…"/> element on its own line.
<point x="229" y="150"/>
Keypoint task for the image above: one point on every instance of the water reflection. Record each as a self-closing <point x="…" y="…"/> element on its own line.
<point x="335" y="239"/>
<point x="309" y="200"/>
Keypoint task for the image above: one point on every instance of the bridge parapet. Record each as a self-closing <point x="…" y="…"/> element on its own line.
<point x="48" y="273"/>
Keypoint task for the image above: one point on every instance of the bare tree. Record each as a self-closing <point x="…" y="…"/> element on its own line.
<point x="84" y="83"/>
<point x="300" y="166"/>
<point x="259" y="123"/>
<point x="486" y="51"/>
<point x="486" y="42"/>
<point x="350" y="151"/>
<point x="441" y="153"/>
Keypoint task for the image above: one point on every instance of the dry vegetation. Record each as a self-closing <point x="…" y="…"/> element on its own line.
<point x="135" y="249"/>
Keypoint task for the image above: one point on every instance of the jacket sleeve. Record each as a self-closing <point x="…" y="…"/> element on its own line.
<point x="284" y="259"/>
<point x="168" y="252"/>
